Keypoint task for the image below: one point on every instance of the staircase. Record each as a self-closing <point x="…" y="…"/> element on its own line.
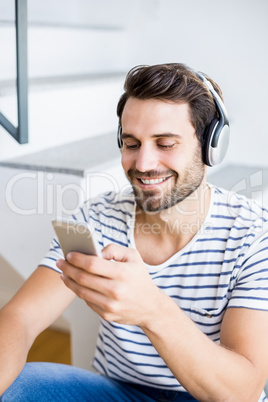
<point x="76" y="67"/>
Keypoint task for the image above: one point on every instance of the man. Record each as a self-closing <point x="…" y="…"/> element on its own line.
<point x="182" y="286"/>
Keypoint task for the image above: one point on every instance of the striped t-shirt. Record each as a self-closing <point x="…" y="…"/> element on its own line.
<point x="225" y="265"/>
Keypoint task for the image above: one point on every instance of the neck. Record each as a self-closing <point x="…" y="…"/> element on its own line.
<point x="182" y="219"/>
<point x="160" y="235"/>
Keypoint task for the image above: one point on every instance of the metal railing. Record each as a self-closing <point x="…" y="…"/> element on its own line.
<point x="20" y="133"/>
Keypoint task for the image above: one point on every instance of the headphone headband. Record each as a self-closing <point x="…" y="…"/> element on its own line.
<point x="220" y="105"/>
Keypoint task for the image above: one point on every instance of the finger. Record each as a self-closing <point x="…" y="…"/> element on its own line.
<point x="59" y="263"/>
<point x="84" y="278"/>
<point x="106" y="315"/>
<point x="120" y="253"/>
<point x="97" y="283"/>
<point x="81" y="291"/>
<point x="91" y="264"/>
<point x="81" y="260"/>
<point x="90" y="296"/>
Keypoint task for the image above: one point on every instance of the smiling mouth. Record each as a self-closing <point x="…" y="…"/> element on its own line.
<point x="153" y="181"/>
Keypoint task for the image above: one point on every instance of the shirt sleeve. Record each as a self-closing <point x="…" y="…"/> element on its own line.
<point x="251" y="289"/>
<point x="52" y="256"/>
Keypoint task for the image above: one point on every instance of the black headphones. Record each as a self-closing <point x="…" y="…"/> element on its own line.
<point x="216" y="134"/>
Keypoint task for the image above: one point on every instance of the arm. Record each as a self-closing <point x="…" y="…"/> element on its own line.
<point x="39" y="302"/>
<point x="235" y="370"/>
<point x="122" y="291"/>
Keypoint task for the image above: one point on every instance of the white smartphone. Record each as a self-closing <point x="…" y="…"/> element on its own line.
<point x="76" y="236"/>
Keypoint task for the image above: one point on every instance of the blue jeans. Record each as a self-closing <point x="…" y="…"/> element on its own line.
<point x="39" y="382"/>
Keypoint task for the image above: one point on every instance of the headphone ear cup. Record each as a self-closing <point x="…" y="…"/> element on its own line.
<point x="207" y="140"/>
<point x="119" y="139"/>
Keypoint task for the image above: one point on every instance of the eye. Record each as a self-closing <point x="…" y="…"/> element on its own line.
<point x="167" y="145"/>
<point x="131" y="144"/>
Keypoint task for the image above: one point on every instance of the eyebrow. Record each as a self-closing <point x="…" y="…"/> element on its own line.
<point x="162" y="135"/>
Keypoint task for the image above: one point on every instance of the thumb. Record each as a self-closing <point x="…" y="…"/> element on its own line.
<point x="120" y="253"/>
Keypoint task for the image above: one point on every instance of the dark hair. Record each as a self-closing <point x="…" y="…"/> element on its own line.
<point x="174" y="82"/>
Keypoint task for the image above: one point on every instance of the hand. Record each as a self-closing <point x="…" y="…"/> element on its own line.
<point x="120" y="290"/>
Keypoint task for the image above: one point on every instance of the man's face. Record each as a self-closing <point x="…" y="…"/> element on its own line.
<point x="161" y="154"/>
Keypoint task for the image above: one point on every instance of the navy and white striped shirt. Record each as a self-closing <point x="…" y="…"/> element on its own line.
<point x="225" y="265"/>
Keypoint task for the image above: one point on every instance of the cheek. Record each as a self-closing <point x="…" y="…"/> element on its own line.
<point x="174" y="161"/>
<point x="179" y="161"/>
<point x="193" y="153"/>
<point x="126" y="161"/>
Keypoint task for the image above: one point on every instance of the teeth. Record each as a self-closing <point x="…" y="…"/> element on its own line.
<point x="152" y="181"/>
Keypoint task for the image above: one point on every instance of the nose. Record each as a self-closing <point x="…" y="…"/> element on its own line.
<point x="146" y="159"/>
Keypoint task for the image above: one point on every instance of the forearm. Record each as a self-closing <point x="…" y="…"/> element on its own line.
<point x="40" y="301"/>
<point x="207" y="370"/>
<point x="14" y="347"/>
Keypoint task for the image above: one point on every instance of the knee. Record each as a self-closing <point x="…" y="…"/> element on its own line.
<point x="35" y="381"/>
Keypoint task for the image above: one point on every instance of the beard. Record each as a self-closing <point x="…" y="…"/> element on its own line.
<point x="174" y="192"/>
